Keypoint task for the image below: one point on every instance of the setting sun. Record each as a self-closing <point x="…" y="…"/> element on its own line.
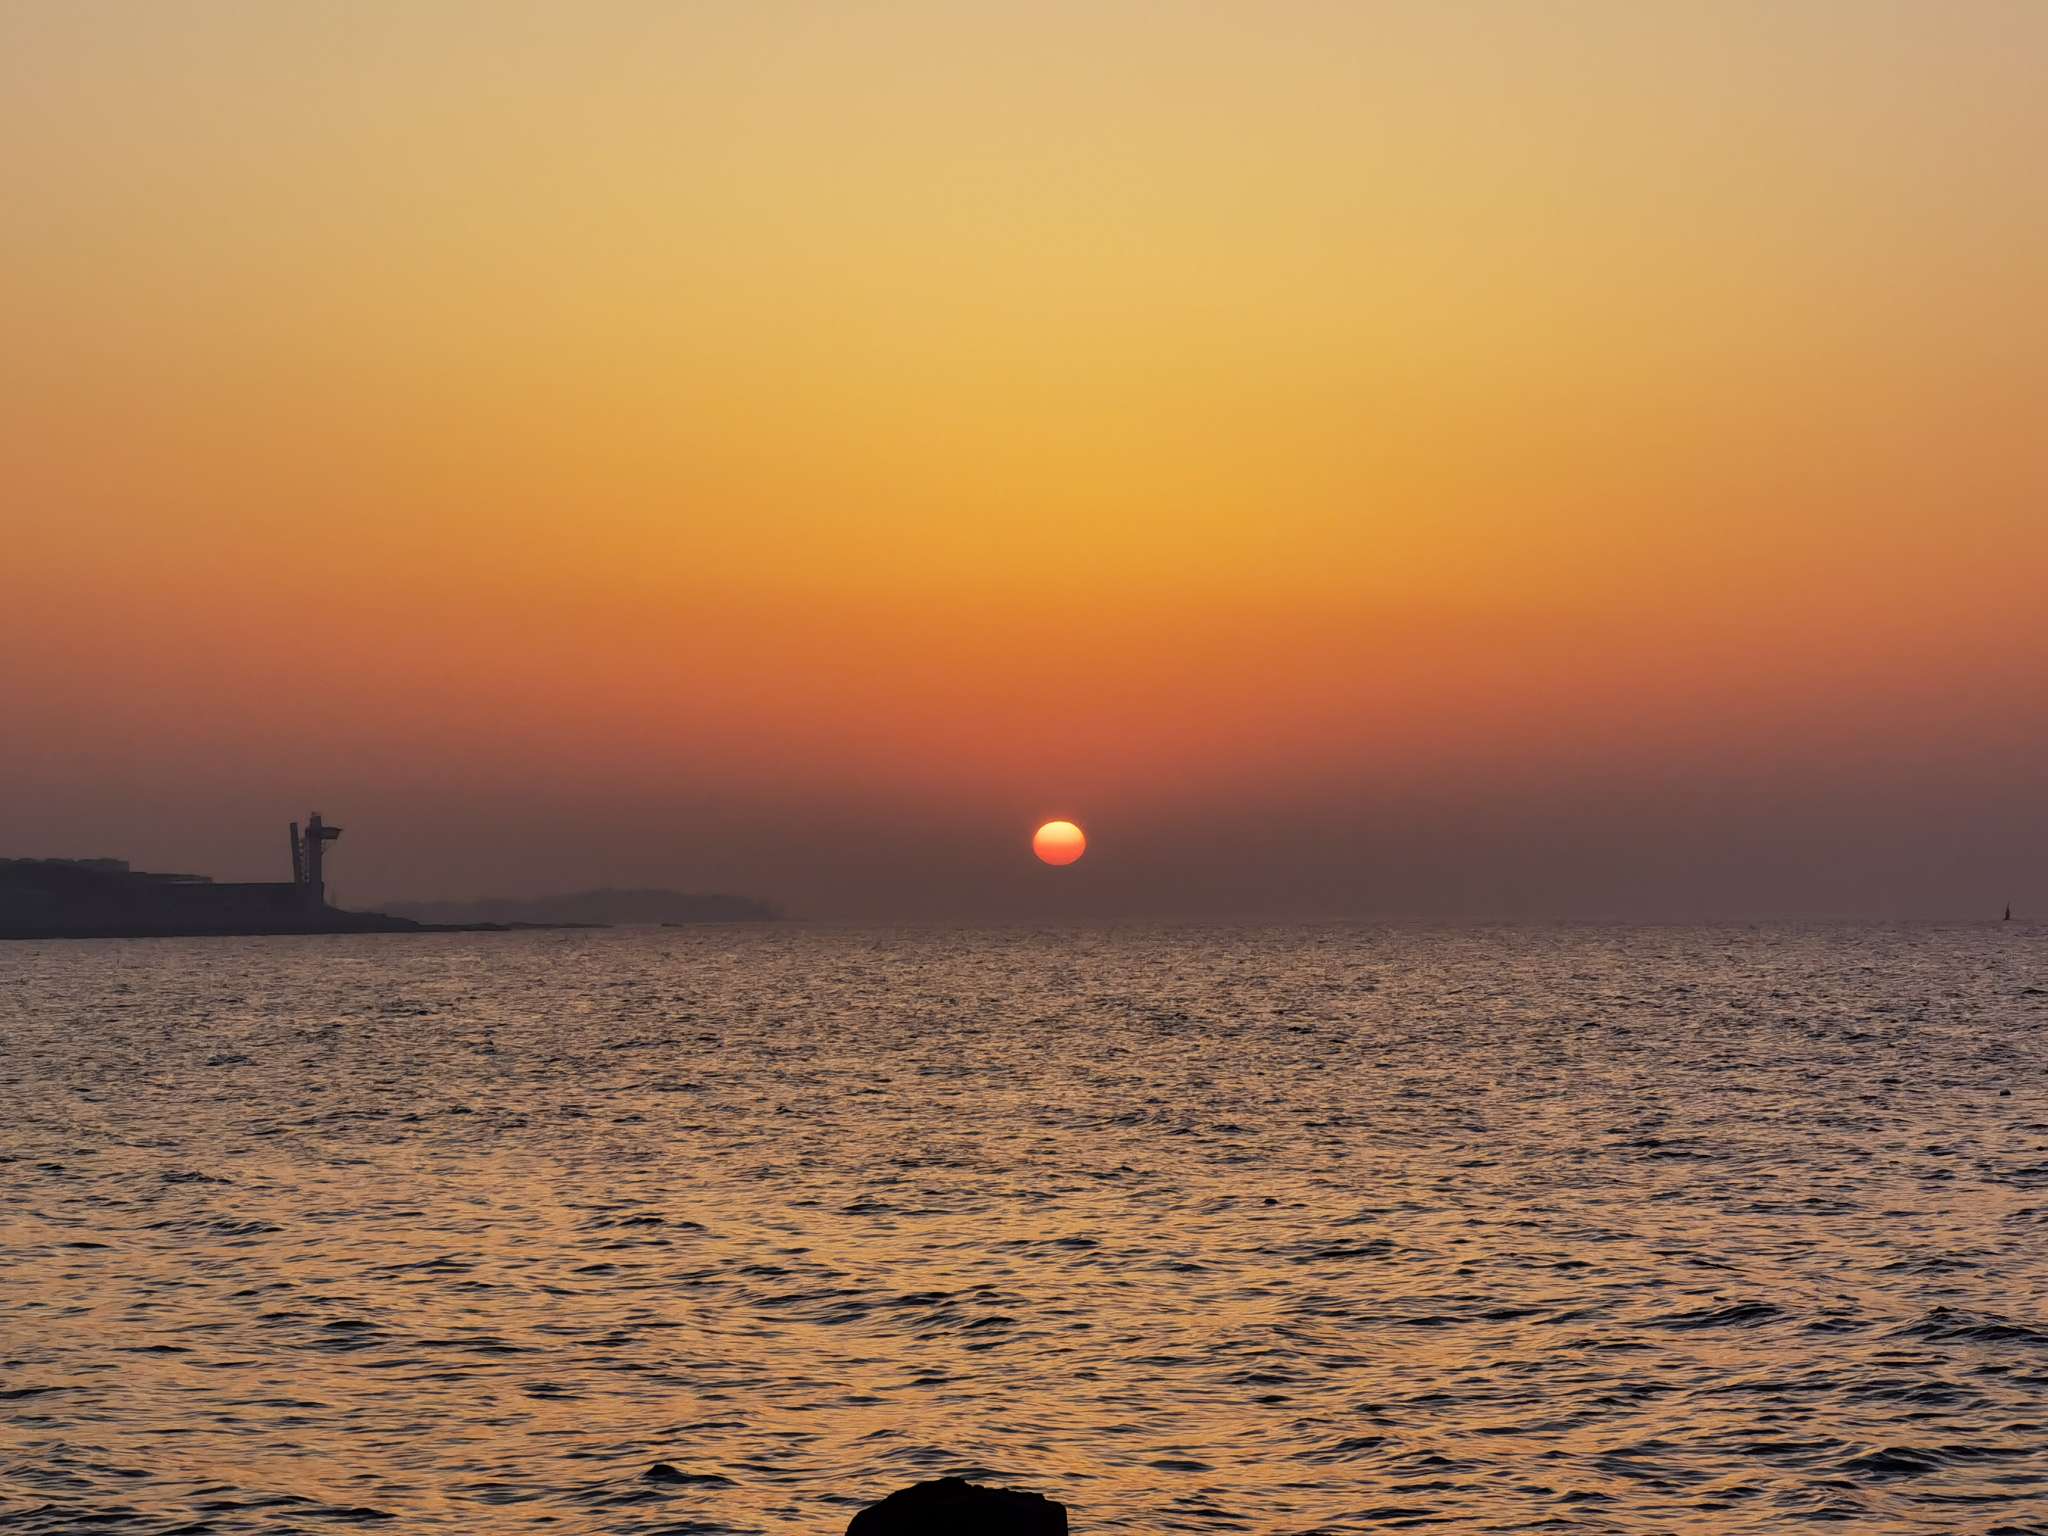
<point x="1059" y="842"/>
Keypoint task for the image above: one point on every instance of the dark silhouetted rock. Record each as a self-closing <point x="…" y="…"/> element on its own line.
<point x="954" y="1507"/>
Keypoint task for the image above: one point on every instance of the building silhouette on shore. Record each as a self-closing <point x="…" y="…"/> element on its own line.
<point x="105" y="898"/>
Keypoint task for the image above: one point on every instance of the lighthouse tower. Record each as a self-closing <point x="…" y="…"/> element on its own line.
<point x="308" y="853"/>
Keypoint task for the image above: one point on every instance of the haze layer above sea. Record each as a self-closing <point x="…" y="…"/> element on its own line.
<point x="1195" y="1229"/>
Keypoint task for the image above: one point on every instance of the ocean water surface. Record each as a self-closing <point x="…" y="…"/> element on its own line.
<point x="1270" y="1230"/>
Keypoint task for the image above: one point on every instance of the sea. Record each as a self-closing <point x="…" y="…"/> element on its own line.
<point x="1226" y="1229"/>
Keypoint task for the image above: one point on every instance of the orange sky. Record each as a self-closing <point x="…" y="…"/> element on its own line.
<point x="1521" y="457"/>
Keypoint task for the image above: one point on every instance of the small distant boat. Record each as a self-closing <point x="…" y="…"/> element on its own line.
<point x="2008" y="913"/>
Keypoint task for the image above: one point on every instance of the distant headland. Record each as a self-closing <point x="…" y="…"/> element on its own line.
<point x="600" y="908"/>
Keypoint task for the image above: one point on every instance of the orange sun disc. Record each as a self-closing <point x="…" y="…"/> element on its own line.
<point x="1059" y="842"/>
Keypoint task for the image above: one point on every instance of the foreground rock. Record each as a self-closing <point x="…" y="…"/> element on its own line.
<point x="954" y="1507"/>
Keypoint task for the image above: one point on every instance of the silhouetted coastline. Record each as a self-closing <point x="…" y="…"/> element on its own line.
<point x="603" y="908"/>
<point x="99" y="898"/>
<point x="105" y="899"/>
<point x="109" y="899"/>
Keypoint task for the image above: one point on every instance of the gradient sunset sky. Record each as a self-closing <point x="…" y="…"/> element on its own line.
<point x="1513" y="459"/>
